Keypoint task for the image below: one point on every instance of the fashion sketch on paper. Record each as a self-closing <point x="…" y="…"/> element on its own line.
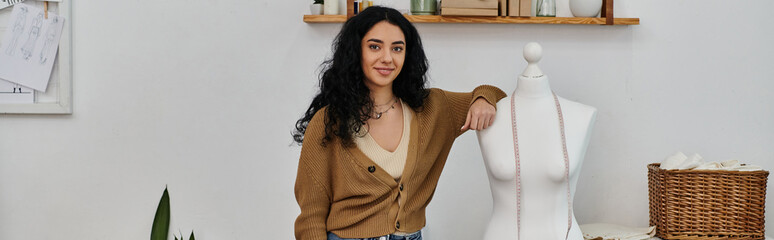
<point x="50" y="35"/>
<point x="18" y="28"/>
<point x="29" y="46"/>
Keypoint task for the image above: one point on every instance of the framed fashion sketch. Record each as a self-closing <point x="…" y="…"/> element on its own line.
<point x="17" y="98"/>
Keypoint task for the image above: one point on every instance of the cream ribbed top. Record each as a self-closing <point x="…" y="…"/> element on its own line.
<point x="392" y="162"/>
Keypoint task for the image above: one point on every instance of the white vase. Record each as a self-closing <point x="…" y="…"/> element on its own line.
<point x="331" y="7"/>
<point x="585" y="8"/>
<point x="316" y="9"/>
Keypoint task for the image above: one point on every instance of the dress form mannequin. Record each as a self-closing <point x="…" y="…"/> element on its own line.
<point x="544" y="201"/>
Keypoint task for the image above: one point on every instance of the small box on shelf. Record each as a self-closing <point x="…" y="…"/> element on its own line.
<point x="469" y="4"/>
<point x="492" y="12"/>
<point x="470" y="7"/>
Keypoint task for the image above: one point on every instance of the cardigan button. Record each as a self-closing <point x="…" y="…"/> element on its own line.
<point x="401" y="187"/>
<point x="371" y="169"/>
<point x="397" y="225"/>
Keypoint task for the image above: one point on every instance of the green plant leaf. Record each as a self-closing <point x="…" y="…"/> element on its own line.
<point x="160" y="229"/>
<point x="192" y="236"/>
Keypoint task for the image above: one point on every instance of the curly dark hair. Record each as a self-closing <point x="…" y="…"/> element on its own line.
<point x="342" y="86"/>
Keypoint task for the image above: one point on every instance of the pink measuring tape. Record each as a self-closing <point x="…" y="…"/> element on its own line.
<point x="518" y="165"/>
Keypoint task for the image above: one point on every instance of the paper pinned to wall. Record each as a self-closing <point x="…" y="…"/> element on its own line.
<point x="8" y="3"/>
<point x="15" y="93"/>
<point x="29" y="46"/>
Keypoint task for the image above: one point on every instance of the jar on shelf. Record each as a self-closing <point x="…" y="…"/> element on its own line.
<point x="424" y="7"/>
<point x="331" y="7"/>
<point x="545" y="8"/>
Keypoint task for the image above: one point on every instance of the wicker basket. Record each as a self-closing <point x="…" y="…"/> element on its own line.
<point x="707" y="204"/>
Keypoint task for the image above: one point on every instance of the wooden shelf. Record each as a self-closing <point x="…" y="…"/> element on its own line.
<point x="508" y="20"/>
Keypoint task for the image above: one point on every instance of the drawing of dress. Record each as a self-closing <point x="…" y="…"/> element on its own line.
<point x="29" y="46"/>
<point x="50" y="34"/>
<point x="18" y="28"/>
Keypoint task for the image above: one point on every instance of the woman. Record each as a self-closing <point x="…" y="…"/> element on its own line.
<point x="375" y="139"/>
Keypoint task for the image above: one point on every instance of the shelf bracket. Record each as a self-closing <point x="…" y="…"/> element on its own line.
<point x="607" y="12"/>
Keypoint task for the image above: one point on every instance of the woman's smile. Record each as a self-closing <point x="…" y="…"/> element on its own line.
<point x="384" y="71"/>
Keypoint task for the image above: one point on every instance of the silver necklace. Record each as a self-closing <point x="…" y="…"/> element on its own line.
<point x="379" y="114"/>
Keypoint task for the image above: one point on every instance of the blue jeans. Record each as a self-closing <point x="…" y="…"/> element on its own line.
<point x="414" y="236"/>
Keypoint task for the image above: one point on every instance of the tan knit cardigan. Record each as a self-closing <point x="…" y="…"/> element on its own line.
<point x="340" y="190"/>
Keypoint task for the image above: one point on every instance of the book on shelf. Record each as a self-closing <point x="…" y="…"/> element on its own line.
<point x="525" y="8"/>
<point x="519" y="8"/>
<point x="513" y="8"/>
<point x="503" y="6"/>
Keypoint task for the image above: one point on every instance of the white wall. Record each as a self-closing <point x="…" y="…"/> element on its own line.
<point x="202" y="95"/>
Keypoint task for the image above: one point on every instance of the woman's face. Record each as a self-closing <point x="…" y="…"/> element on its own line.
<point x="383" y="53"/>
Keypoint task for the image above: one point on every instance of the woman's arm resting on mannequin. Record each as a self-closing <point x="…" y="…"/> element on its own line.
<point x="474" y="110"/>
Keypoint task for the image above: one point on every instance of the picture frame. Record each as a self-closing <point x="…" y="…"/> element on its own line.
<point x="58" y="96"/>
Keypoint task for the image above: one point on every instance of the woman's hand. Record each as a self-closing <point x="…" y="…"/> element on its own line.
<point x="480" y="115"/>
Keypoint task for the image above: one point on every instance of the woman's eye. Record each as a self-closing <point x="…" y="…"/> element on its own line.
<point x="397" y="49"/>
<point x="374" y="47"/>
